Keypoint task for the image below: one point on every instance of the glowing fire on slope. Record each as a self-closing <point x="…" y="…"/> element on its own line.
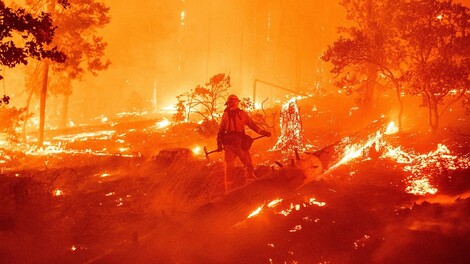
<point x="421" y="166"/>
<point x="286" y="211"/>
<point x="61" y="145"/>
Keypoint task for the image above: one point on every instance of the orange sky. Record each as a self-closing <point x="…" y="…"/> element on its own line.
<point x="148" y="45"/>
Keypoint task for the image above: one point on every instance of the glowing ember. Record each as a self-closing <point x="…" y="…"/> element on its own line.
<point x="360" y="243"/>
<point x="421" y="167"/>
<point x="119" y="202"/>
<point x="291" y="129"/>
<point x="296" y="228"/>
<point x="164" y="123"/>
<point x="313" y="201"/>
<point x="424" y="166"/>
<point x="73" y="248"/>
<point x="274" y="203"/>
<point x="256" y="212"/>
<point x="104" y="175"/>
<point x="420" y="187"/>
<point x="58" y="192"/>
<point x="297" y="207"/>
<point x="196" y="150"/>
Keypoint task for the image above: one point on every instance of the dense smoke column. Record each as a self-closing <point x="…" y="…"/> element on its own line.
<point x="291" y="130"/>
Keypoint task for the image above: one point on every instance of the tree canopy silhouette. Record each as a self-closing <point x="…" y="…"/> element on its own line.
<point x="420" y="47"/>
<point x="23" y="36"/>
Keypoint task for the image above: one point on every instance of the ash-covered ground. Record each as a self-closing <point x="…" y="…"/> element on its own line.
<point x="105" y="195"/>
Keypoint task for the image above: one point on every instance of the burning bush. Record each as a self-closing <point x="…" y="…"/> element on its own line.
<point x="208" y="127"/>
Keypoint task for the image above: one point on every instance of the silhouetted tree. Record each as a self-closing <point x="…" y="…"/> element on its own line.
<point x="204" y="100"/>
<point x="77" y="26"/>
<point x="424" y="44"/>
<point x="208" y="98"/>
<point x="266" y="119"/>
<point x="369" y="53"/>
<point x="437" y="42"/>
<point x="182" y="108"/>
<point x="24" y="35"/>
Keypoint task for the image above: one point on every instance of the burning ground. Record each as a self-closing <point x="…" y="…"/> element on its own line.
<point x="111" y="195"/>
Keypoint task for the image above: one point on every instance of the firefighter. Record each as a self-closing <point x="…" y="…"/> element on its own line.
<point x="229" y="138"/>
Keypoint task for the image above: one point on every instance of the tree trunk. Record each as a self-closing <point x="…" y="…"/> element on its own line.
<point x="42" y="104"/>
<point x="368" y="97"/>
<point x="28" y="102"/>
<point x="43" y="93"/>
<point x="400" y="113"/>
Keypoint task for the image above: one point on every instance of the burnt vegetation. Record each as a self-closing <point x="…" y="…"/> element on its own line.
<point x="338" y="182"/>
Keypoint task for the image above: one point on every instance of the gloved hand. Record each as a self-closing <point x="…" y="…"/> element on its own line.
<point x="265" y="133"/>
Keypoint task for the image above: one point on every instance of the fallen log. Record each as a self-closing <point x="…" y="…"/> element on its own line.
<point x="239" y="203"/>
<point x="226" y="211"/>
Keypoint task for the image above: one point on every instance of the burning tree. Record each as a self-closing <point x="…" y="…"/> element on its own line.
<point x="204" y="101"/>
<point x="291" y="137"/>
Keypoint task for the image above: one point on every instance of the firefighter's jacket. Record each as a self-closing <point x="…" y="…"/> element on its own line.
<point x="233" y="122"/>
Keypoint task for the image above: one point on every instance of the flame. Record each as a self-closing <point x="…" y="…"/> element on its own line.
<point x="196" y="150"/>
<point x="291" y="137"/>
<point x="354" y="151"/>
<point x="391" y="128"/>
<point x="274" y="203"/>
<point x="420" y="187"/>
<point x="164" y="123"/>
<point x="420" y="166"/>
<point x="287" y="211"/>
<point x="313" y="201"/>
<point x="256" y="212"/>
<point x="3" y="139"/>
